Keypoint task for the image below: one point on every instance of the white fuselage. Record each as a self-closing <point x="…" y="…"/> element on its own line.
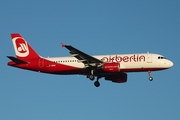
<point x="127" y="61"/>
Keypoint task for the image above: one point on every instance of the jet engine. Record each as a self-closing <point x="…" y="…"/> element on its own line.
<point x="120" y="78"/>
<point x="111" y="67"/>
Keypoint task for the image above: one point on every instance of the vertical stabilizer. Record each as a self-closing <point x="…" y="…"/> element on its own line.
<point x="22" y="49"/>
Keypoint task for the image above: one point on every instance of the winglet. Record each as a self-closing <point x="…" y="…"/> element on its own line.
<point x="63" y="45"/>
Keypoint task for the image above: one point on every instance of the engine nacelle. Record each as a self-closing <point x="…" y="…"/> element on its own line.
<point x="111" y="67"/>
<point x="121" y="78"/>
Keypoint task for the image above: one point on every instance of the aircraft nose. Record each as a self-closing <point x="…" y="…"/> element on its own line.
<point x="170" y="63"/>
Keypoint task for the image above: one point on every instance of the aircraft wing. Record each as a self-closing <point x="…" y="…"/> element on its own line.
<point x="88" y="60"/>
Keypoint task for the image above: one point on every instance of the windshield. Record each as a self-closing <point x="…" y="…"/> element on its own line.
<point x="161" y="57"/>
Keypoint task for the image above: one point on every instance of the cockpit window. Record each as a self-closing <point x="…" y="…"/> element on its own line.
<point x="161" y="57"/>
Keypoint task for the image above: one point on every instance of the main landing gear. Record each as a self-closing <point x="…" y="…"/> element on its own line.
<point x="150" y="77"/>
<point x="97" y="83"/>
<point x="92" y="77"/>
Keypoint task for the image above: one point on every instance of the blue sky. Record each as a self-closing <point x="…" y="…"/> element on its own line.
<point x="95" y="27"/>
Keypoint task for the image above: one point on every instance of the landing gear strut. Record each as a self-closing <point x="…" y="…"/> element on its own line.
<point x="150" y="77"/>
<point x="91" y="76"/>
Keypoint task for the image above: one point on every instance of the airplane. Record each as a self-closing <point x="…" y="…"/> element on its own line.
<point x="113" y="67"/>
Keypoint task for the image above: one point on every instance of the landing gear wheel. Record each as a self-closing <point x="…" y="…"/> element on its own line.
<point x="91" y="77"/>
<point x="150" y="78"/>
<point x="96" y="83"/>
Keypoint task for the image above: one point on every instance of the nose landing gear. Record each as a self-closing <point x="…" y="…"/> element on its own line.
<point x="150" y="77"/>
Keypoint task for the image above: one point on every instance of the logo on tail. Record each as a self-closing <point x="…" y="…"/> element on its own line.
<point x="21" y="47"/>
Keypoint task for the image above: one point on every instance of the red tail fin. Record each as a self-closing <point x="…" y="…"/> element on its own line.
<point x="22" y="49"/>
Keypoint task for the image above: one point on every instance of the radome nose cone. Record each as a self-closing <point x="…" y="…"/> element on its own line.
<point x="171" y="63"/>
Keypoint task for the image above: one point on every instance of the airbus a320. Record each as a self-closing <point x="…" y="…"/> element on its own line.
<point x="110" y="67"/>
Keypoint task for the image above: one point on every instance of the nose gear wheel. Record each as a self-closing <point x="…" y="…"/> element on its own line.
<point x="150" y="77"/>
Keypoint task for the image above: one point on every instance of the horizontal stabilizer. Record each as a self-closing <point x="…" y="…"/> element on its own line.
<point x="16" y="60"/>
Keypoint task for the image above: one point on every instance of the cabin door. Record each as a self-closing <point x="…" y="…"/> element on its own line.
<point x="149" y="58"/>
<point x="41" y="62"/>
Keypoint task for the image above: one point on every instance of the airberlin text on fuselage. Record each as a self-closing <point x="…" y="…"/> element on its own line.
<point x="132" y="58"/>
